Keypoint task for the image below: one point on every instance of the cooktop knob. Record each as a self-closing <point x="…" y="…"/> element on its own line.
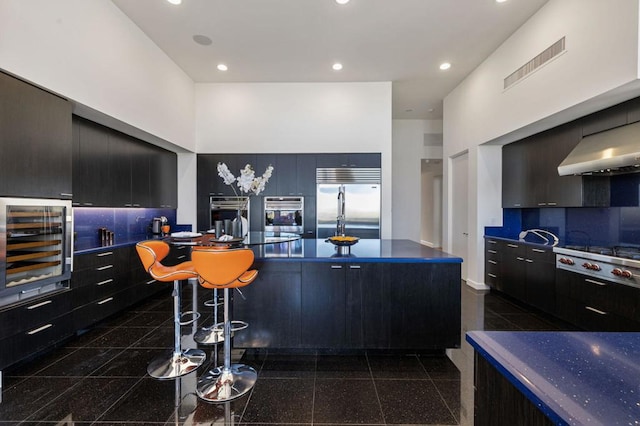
<point x="586" y="265"/>
<point x="626" y="274"/>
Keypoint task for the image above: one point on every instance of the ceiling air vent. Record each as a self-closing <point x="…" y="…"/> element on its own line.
<point x="548" y="54"/>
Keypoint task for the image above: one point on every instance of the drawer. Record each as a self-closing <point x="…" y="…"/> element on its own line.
<point x="98" y="310"/>
<point x="540" y="255"/>
<point x="119" y="256"/>
<point x="98" y="274"/>
<point x="24" y="316"/>
<point x="98" y="291"/>
<point x="34" y="339"/>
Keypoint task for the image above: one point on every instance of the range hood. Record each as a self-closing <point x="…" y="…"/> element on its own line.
<point x="610" y="152"/>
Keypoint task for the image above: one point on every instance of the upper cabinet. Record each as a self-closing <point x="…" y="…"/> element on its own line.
<point x="530" y="173"/>
<point x="35" y="141"/>
<point x="111" y="169"/>
<point x="349" y="160"/>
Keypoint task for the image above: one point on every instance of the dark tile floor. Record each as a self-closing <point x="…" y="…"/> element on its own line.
<point x="100" y="378"/>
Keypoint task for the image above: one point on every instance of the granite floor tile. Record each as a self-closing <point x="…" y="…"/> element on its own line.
<point x="396" y="367"/>
<point x="440" y="367"/>
<point x="88" y="336"/>
<point x="150" y="400"/>
<point x="80" y="363"/>
<point x="194" y="411"/>
<point x="130" y="362"/>
<point x="342" y="366"/>
<point x="160" y="337"/>
<point x="89" y="399"/>
<point x="146" y="319"/>
<point x="28" y="396"/>
<point x="412" y="402"/>
<point x="44" y="361"/>
<point x="284" y="366"/>
<point x="346" y="401"/>
<point x="451" y="393"/>
<point x="280" y="401"/>
<point x="121" y="337"/>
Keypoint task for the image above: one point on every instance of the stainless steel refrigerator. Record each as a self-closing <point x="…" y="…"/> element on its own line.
<point x="361" y="202"/>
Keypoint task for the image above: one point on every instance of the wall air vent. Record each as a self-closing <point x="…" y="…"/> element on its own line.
<point x="548" y="54"/>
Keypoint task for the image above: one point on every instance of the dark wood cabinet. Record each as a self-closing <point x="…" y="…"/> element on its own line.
<point x="513" y="270"/>
<point x="272" y="307"/>
<point x="540" y="278"/>
<point x="530" y="173"/>
<point x="596" y="304"/>
<point x="111" y="169"/>
<point x="323" y="313"/>
<point x="306" y="177"/>
<point x="493" y="263"/>
<point x="606" y="119"/>
<point x="351" y="305"/>
<point x="365" y="160"/>
<point x="35" y="141"/>
<point x="34" y="325"/>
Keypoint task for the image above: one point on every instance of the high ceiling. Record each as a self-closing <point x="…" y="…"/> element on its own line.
<point x="402" y="41"/>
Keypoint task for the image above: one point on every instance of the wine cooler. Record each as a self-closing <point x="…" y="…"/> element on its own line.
<point x="35" y="247"/>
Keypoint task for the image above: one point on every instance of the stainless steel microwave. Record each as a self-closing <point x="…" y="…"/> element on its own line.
<point x="284" y="214"/>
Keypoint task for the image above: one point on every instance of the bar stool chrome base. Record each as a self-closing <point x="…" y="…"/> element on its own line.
<point x="209" y="336"/>
<point x="175" y="365"/>
<point x="219" y="385"/>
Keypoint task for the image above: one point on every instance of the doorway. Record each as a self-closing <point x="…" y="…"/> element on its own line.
<point x="459" y="208"/>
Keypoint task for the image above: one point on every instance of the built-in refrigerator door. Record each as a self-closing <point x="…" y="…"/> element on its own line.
<point x="362" y="210"/>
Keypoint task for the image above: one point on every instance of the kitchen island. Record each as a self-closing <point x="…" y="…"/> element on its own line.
<point x="384" y="294"/>
<point x="561" y="378"/>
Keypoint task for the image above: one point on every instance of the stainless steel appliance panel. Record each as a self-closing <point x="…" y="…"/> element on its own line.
<point x="35" y="247"/>
<point x="362" y="209"/>
<point x="284" y="214"/>
<point x="226" y="208"/>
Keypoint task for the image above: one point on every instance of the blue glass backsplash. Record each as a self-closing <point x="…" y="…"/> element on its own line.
<point x="132" y="224"/>
<point x="575" y="226"/>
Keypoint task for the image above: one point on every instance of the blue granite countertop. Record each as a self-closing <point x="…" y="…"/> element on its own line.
<point x="575" y="378"/>
<point x="366" y="250"/>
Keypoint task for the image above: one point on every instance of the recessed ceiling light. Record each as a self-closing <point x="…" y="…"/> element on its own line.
<point x="445" y="66"/>
<point x="175" y="1"/>
<point x="342" y="1"/>
<point x="500" y="1"/>
<point x="337" y="66"/>
<point x="222" y="67"/>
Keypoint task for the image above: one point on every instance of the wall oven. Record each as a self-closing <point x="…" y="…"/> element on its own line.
<point x="35" y="247"/>
<point x="284" y="214"/>
<point x="225" y="210"/>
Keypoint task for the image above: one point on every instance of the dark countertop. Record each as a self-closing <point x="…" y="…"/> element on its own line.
<point x="574" y="378"/>
<point x="519" y="241"/>
<point x="366" y="250"/>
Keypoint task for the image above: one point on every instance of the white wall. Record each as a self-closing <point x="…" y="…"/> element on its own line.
<point x="92" y="54"/>
<point x="298" y="117"/>
<point x="408" y="152"/>
<point x="598" y="69"/>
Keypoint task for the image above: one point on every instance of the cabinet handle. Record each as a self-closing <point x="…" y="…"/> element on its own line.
<point x="539" y="250"/>
<point x="492" y="275"/>
<point x="103" y="268"/>
<point x="520" y="258"/>
<point x="181" y="247"/>
<point x="39" y="329"/>
<point x="492" y="251"/>
<point x="102" y="302"/>
<point x="492" y="242"/>
<point x="87" y="204"/>
<point x="512" y="245"/>
<point x="601" y="284"/>
<point x="336" y="267"/>
<point x="105" y="282"/>
<point x="182" y="257"/>
<point x="542" y="204"/>
<point x="106" y="253"/>
<point x="597" y="311"/>
<point x="354" y="266"/>
<point x="493" y="262"/>
<point x="127" y="205"/>
<point x="517" y="204"/>
<point x="528" y="260"/>
<point x="552" y="204"/>
<point x="37" y="305"/>
<point x="136" y="205"/>
<point x="66" y="194"/>
<point x="151" y="282"/>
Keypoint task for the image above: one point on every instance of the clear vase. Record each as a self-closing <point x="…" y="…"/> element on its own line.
<point x="237" y="225"/>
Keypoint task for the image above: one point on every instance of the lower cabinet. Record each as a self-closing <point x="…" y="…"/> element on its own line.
<point x="595" y="304"/>
<point x="30" y="327"/>
<point x="351" y="305"/>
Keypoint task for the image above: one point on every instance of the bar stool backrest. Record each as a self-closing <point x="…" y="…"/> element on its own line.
<point x="151" y="251"/>
<point x="222" y="268"/>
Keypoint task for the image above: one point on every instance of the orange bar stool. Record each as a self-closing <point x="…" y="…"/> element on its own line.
<point x="178" y="362"/>
<point x="214" y="334"/>
<point x="225" y="269"/>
